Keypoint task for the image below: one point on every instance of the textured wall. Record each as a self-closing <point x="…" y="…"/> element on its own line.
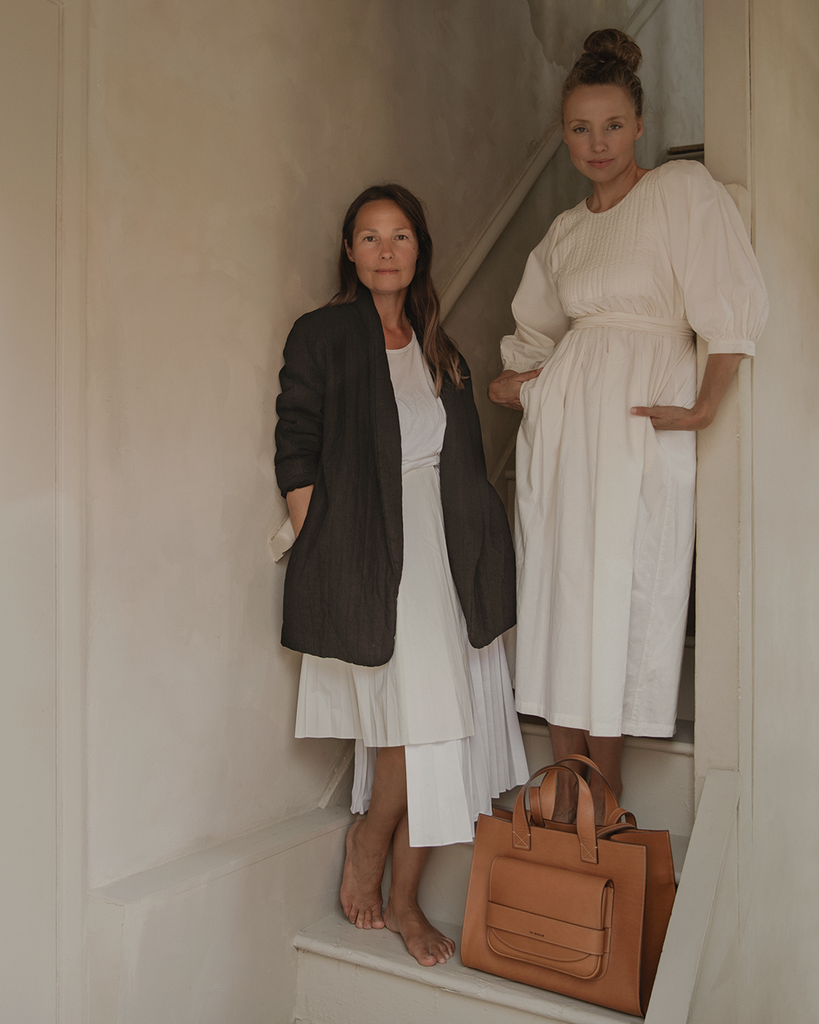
<point x="28" y="464"/>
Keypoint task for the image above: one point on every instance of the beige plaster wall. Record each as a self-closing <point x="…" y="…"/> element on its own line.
<point x="226" y="138"/>
<point x="779" y="940"/>
<point x="28" y="462"/>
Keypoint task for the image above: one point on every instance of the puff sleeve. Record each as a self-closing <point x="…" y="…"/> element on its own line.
<point x="712" y="259"/>
<point x="539" y="317"/>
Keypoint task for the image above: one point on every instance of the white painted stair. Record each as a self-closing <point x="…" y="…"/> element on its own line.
<point x="350" y="975"/>
<point x="346" y="974"/>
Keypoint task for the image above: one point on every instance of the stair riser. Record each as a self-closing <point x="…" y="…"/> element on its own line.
<point x="333" y="992"/>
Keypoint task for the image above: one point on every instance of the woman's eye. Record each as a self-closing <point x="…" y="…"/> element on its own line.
<point x="615" y="126"/>
<point x="578" y="129"/>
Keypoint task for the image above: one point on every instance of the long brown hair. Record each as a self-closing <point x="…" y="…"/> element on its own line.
<point x="610" y="57"/>
<point x="422" y="304"/>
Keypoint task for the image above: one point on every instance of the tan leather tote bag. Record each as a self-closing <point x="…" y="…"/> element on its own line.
<point x="581" y="910"/>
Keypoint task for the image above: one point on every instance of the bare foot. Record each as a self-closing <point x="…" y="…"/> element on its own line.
<point x="361" y="882"/>
<point x="425" y="943"/>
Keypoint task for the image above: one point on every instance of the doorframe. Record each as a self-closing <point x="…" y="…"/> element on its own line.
<point x="724" y="664"/>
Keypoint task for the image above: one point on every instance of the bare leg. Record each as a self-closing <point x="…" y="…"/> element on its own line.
<point x="402" y="913"/>
<point x="368" y="841"/>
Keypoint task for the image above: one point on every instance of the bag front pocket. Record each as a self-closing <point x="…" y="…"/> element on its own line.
<point x="550" y="917"/>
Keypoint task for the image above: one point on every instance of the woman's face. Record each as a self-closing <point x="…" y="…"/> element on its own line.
<point x="384" y="247"/>
<point x="600" y="128"/>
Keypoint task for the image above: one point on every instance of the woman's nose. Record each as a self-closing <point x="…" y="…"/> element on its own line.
<point x="386" y="251"/>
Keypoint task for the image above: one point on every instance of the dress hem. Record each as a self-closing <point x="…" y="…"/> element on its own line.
<point x="651" y="730"/>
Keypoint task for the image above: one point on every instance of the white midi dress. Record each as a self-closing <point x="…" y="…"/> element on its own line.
<point x="607" y="306"/>
<point x="449" y="705"/>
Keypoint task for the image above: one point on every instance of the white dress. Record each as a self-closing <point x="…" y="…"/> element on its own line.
<point x="450" y="706"/>
<point x="605" y="504"/>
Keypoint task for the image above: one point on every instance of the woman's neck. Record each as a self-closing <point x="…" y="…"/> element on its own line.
<point x="609" y="193"/>
<point x="394" y="321"/>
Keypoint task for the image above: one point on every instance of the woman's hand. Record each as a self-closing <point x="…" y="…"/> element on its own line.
<point x="505" y="389"/>
<point x="672" y="417"/>
<point x="719" y="372"/>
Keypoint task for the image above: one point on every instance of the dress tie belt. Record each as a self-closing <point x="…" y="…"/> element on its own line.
<point x="635" y="322"/>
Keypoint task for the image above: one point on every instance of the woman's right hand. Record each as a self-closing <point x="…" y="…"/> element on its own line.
<point x="505" y="389"/>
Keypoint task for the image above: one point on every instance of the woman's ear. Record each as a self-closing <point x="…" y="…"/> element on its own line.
<point x="349" y="253"/>
<point x="639" y="127"/>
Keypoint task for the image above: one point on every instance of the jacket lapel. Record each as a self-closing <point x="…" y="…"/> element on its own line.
<point x="387" y="439"/>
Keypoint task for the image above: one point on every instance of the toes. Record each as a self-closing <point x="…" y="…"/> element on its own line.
<point x="365" y="917"/>
<point x="444" y="952"/>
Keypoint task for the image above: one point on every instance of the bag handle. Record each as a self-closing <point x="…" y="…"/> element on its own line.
<point x="607" y="831"/>
<point x="586" y="830"/>
<point x="613" y="819"/>
<point x="541" y="810"/>
<point x="536" y="809"/>
<point x="542" y="805"/>
<point x="611" y="804"/>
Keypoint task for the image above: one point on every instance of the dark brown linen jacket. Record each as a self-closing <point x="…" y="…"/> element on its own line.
<point x="338" y="430"/>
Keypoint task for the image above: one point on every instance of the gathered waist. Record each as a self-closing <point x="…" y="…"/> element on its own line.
<point x="635" y="322"/>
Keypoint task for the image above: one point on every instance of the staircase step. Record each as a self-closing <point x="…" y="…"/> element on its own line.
<point x="347" y="973"/>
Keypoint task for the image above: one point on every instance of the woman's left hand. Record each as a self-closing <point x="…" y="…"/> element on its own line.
<point x="720" y="368"/>
<point x="672" y="417"/>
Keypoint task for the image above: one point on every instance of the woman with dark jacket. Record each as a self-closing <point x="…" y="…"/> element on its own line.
<point x="402" y="576"/>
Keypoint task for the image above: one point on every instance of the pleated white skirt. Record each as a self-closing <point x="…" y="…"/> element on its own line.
<point x="449" y="705"/>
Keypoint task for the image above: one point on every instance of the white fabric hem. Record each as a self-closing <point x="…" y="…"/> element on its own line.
<point x="652" y="730"/>
<point x="451" y="782"/>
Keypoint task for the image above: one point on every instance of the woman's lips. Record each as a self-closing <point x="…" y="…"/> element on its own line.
<point x="601" y="163"/>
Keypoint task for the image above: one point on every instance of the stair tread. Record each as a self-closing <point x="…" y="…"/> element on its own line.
<point x="334" y="937"/>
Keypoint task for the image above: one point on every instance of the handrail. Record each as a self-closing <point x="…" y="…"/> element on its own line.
<point x="714" y="826"/>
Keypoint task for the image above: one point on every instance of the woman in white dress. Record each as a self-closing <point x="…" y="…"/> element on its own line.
<point x="402" y="576"/>
<point x="602" y="364"/>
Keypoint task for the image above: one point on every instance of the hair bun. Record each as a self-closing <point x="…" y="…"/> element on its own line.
<point x="612" y="44"/>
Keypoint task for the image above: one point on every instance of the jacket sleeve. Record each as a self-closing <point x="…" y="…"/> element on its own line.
<point x="300" y="407"/>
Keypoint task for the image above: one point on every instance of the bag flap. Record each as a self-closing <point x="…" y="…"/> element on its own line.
<point x="554" y="893"/>
<point x="570" y="941"/>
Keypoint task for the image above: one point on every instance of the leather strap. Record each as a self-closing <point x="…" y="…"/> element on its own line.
<point x="610" y="799"/>
<point x="586" y="830"/>
<point x="538" y="813"/>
